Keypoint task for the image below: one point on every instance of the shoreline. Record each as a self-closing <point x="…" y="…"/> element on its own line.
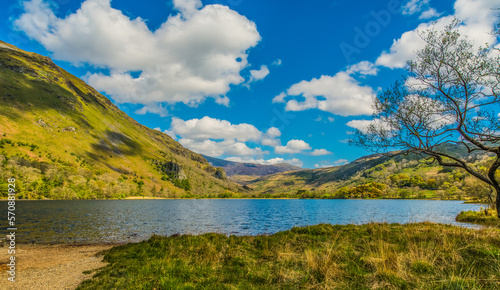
<point x="52" y="266"/>
<point x="245" y="198"/>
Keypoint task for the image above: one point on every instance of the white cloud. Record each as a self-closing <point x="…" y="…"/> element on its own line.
<point x="361" y="125"/>
<point x="429" y="13"/>
<point x="279" y="98"/>
<point x="414" y="6"/>
<point x="341" y="161"/>
<point x="320" y="152"/>
<point x="424" y="113"/>
<point x="339" y="94"/>
<point x="225" y="147"/>
<point x="210" y="128"/>
<point x="273" y="132"/>
<point x="216" y="137"/>
<point x="331" y="119"/>
<point x="293" y="146"/>
<point x="415" y="84"/>
<point x="157" y="129"/>
<point x="187" y="7"/>
<point x="154" y="109"/>
<point x="273" y="161"/>
<point x="270" y="138"/>
<point x="478" y="19"/>
<point x="363" y="68"/>
<point x="405" y="47"/>
<point x="193" y="55"/>
<point x="259" y="74"/>
<point x="171" y="134"/>
<point x="322" y="165"/>
<point x="277" y="62"/>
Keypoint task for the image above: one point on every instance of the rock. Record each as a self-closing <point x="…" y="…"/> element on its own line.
<point x="69" y="129"/>
<point x="220" y="173"/>
<point x="42" y="123"/>
<point x="172" y="168"/>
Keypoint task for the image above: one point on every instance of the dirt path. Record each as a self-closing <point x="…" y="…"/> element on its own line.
<point x="50" y="266"/>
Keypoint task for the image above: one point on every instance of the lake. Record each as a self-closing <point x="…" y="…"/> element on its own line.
<point x="118" y="221"/>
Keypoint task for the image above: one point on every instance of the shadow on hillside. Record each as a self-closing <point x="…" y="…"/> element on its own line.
<point x="114" y="144"/>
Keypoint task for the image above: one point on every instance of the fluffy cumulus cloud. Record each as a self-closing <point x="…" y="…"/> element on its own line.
<point x="225" y="147"/>
<point x="420" y="7"/>
<point x="340" y="94"/>
<point x="361" y="125"/>
<point x="260" y="74"/>
<point x="429" y="13"/>
<point x="187" y="7"/>
<point x="478" y="19"/>
<point x="414" y="6"/>
<point x="195" y="54"/>
<point x="293" y="146"/>
<point x="280" y="98"/>
<point x="237" y="142"/>
<point x="363" y="68"/>
<point x="270" y="138"/>
<point x="320" y="152"/>
<point x="210" y="128"/>
<point x="216" y="137"/>
<point x="272" y="161"/>
<point x="158" y="109"/>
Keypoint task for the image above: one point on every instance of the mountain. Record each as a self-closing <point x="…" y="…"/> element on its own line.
<point x="379" y="175"/>
<point x="249" y="169"/>
<point x="60" y="138"/>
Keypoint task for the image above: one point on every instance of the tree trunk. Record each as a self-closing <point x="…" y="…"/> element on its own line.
<point x="497" y="188"/>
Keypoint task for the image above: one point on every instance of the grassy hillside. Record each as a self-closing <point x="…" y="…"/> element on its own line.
<point x="62" y="139"/>
<point x="379" y="176"/>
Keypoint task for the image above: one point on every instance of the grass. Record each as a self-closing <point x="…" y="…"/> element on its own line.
<point x="483" y="217"/>
<point x="372" y="256"/>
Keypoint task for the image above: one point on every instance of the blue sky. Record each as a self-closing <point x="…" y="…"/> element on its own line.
<point x="256" y="81"/>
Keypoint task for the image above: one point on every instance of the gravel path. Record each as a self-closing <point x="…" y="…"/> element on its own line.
<point x="50" y="266"/>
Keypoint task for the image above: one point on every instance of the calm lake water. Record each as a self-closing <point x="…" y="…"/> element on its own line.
<point x="111" y="221"/>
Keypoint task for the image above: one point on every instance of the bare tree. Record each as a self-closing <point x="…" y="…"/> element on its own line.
<point x="449" y="97"/>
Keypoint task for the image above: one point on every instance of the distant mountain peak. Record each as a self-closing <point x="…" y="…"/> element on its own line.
<point x="252" y="169"/>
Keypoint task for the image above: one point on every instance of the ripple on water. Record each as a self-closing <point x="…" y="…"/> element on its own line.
<point x="116" y="221"/>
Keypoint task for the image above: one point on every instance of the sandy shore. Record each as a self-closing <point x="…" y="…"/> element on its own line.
<point x="50" y="266"/>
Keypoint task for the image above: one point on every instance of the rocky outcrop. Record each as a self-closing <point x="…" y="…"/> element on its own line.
<point x="172" y="169"/>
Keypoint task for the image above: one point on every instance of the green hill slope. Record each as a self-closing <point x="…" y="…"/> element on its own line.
<point x="379" y="176"/>
<point x="62" y="139"/>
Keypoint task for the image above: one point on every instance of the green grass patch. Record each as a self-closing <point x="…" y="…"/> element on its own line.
<point x="483" y="217"/>
<point x="372" y="256"/>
